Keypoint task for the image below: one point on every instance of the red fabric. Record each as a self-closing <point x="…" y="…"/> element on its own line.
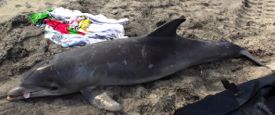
<point x="58" y="26"/>
<point x="81" y="33"/>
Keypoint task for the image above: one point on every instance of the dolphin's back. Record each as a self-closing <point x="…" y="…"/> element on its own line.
<point x="120" y="62"/>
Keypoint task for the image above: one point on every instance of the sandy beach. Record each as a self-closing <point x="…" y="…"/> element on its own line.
<point x="248" y="24"/>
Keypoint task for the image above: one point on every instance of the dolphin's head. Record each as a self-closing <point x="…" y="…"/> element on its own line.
<point x="44" y="80"/>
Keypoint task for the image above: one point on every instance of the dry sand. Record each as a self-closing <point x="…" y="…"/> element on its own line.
<point x="11" y="8"/>
<point x="248" y="24"/>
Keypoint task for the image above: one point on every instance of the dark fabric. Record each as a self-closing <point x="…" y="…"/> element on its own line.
<point x="255" y="97"/>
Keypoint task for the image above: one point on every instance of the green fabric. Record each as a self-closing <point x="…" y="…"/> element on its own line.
<point x="37" y="17"/>
<point x="72" y="31"/>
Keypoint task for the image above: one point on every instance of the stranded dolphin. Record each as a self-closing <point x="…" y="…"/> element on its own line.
<point x="120" y="62"/>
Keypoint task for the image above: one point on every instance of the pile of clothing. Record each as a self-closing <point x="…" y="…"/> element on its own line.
<point x="73" y="28"/>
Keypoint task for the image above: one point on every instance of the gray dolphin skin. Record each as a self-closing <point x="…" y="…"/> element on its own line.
<point x="120" y="62"/>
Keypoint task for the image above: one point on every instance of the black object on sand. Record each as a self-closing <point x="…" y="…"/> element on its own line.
<point x="255" y="97"/>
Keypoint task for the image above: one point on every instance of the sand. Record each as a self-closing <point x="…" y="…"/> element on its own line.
<point x="248" y="24"/>
<point x="11" y="8"/>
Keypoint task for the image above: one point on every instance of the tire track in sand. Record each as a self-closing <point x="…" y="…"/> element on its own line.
<point x="256" y="13"/>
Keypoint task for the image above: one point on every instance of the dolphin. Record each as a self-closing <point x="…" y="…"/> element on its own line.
<point x="129" y="61"/>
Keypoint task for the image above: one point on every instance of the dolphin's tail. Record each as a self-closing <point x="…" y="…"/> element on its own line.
<point x="248" y="55"/>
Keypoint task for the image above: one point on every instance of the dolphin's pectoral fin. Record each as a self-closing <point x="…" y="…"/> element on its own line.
<point x="100" y="99"/>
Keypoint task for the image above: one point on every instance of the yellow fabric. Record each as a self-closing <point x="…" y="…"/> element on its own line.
<point x="83" y="24"/>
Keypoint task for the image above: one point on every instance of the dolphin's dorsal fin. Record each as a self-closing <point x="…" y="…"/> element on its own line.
<point x="168" y="29"/>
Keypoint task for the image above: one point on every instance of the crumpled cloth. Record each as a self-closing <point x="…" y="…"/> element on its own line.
<point x="71" y="15"/>
<point x="61" y="27"/>
<point x="70" y="40"/>
<point x="100" y="29"/>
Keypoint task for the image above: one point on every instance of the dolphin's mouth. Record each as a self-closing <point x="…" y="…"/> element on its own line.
<point x="25" y="95"/>
<point x="19" y="93"/>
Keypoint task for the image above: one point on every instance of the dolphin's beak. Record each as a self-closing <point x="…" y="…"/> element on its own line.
<point x="18" y="93"/>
